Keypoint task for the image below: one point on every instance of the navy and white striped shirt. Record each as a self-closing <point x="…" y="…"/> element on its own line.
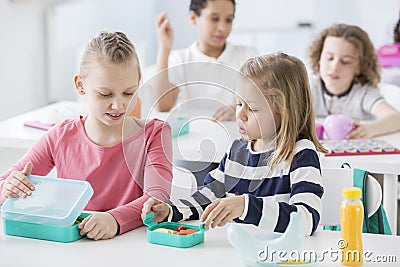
<point x="270" y="195"/>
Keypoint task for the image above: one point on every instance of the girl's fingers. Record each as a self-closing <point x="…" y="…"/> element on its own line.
<point x="212" y="215"/>
<point x="23" y="180"/>
<point x="9" y="193"/>
<point x="219" y="217"/>
<point x="224" y="221"/>
<point x="208" y="210"/>
<point x="18" y="188"/>
<point x="87" y="225"/>
<point x="28" y="168"/>
<point x="94" y="232"/>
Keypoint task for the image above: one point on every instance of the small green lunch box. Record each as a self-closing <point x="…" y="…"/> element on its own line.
<point x="179" y="126"/>
<point x="170" y="239"/>
<point x="63" y="234"/>
<point x="50" y="212"/>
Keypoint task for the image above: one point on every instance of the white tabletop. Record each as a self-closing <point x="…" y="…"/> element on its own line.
<point x="13" y="133"/>
<point x="132" y="249"/>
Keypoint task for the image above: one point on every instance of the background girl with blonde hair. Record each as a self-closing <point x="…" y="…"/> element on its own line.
<point x="274" y="169"/>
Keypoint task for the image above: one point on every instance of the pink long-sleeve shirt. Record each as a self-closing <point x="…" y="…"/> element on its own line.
<point x="123" y="176"/>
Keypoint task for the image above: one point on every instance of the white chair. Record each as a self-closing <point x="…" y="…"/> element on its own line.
<point x="334" y="180"/>
<point x="184" y="183"/>
<point x="391" y="93"/>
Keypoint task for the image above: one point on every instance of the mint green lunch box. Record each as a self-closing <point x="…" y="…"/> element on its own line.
<point x="179" y="126"/>
<point x="50" y="213"/>
<point x="167" y="238"/>
<point x="63" y="234"/>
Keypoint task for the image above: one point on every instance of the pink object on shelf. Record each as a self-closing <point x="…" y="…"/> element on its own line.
<point x="319" y="128"/>
<point x="337" y="126"/>
<point x="39" y="125"/>
<point x="389" y="55"/>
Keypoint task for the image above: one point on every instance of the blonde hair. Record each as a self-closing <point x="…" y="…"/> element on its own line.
<point x="367" y="59"/>
<point x="112" y="47"/>
<point x="283" y="80"/>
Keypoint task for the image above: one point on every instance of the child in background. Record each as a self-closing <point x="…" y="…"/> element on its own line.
<point x="274" y="169"/>
<point x="347" y="75"/>
<point x="124" y="159"/>
<point x="213" y="21"/>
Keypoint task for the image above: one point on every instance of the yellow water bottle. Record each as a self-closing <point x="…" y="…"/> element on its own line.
<point x="351" y="223"/>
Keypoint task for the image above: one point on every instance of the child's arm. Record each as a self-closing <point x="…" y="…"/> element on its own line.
<point x="387" y="121"/>
<point x="164" y="88"/>
<point x="17" y="184"/>
<point x="39" y="155"/>
<point x="160" y="209"/>
<point x="225" y="113"/>
<point x="193" y="207"/>
<point x="223" y="210"/>
<point x="157" y="179"/>
<point x="305" y="196"/>
<point x="99" y="225"/>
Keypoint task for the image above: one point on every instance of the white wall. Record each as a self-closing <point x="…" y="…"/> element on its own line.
<point x="24" y="51"/>
<point x="22" y="61"/>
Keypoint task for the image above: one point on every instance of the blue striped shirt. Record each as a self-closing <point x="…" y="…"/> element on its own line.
<point x="270" y="194"/>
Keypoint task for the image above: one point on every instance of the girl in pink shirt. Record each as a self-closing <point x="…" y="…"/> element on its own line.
<point x="125" y="160"/>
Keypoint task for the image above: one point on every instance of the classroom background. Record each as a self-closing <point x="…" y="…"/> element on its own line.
<point x="43" y="39"/>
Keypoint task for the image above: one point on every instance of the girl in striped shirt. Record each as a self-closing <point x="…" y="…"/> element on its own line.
<point x="274" y="168"/>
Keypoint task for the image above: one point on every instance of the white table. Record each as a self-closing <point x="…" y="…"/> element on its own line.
<point x="132" y="249"/>
<point x="207" y="141"/>
<point x="13" y="133"/>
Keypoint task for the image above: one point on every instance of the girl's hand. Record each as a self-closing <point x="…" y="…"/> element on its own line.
<point x="160" y="209"/>
<point x="99" y="225"/>
<point x="361" y="131"/>
<point x="222" y="211"/>
<point x="165" y="33"/>
<point x="225" y="113"/>
<point x="17" y="184"/>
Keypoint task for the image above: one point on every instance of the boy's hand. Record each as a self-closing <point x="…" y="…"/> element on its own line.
<point x="160" y="209"/>
<point x="360" y="131"/>
<point x="17" y="184"/>
<point x="165" y="33"/>
<point x="99" y="225"/>
<point x="226" y="113"/>
<point x="222" y="211"/>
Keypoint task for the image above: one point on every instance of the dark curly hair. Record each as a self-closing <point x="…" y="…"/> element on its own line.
<point x="197" y="5"/>
<point x="368" y="61"/>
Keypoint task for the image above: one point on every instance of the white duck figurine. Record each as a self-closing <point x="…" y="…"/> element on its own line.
<point x="256" y="249"/>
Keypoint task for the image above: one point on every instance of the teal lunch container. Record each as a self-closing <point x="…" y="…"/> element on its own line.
<point x="63" y="234"/>
<point x="50" y="213"/>
<point x="163" y="233"/>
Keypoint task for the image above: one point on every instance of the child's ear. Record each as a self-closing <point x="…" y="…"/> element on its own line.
<point x="193" y="17"/>
<point x="79" y="85"/>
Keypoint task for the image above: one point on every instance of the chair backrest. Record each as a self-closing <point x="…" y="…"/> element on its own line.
<point x="184" y="183"/>
<point x="334" y="180"/>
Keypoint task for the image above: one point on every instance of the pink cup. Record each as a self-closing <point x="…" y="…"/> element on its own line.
<point x="319" y="128"/>
<point x="337" y="126"/>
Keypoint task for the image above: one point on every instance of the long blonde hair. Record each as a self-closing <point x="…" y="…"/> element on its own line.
<point x="283" y="80"/>
<point x="368" y="60"/>
<point x="113" y="47"/>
